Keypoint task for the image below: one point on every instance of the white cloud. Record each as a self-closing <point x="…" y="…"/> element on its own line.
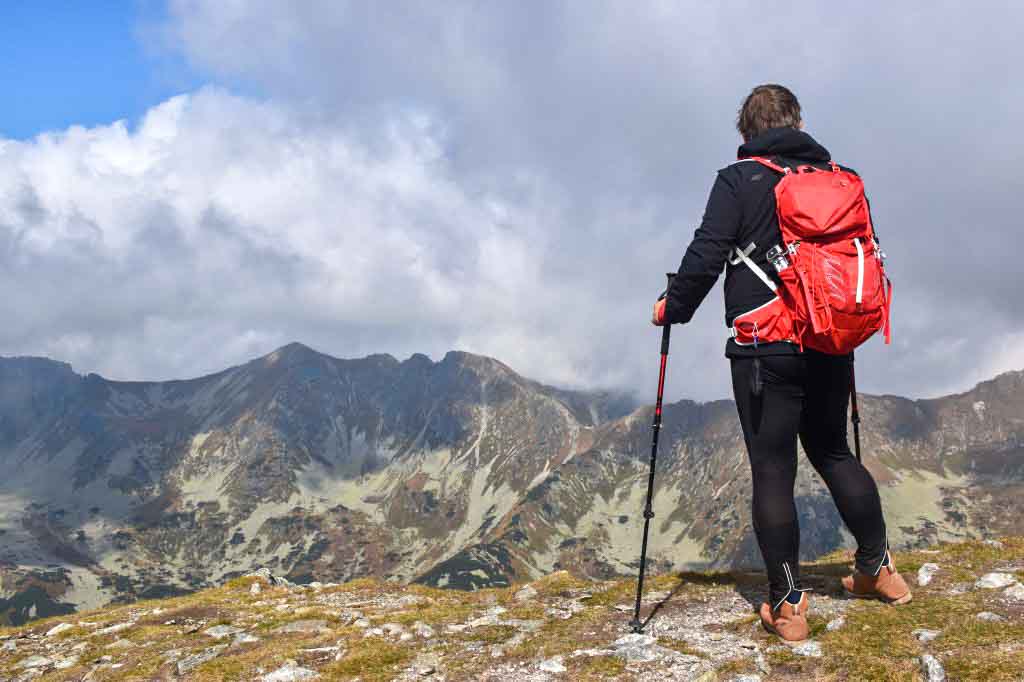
<point x="510" y="179"/>
<point x="222" y="224"/>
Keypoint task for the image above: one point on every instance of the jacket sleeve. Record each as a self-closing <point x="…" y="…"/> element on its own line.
<point x="707" y="254"/>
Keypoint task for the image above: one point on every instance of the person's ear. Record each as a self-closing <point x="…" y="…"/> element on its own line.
<point x="800" y="125"/>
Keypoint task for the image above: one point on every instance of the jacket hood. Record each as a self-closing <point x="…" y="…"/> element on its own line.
<point x="786" y="142"/>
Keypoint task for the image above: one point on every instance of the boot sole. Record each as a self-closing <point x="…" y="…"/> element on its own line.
<point x="899" y="601"/>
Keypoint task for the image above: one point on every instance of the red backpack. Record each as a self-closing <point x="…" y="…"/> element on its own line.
<point x="834" y="293"/>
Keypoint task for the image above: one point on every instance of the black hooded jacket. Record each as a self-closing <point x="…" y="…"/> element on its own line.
<point x="740" y="211"/>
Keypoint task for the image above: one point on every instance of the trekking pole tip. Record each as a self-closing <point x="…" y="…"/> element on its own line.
<point x="635" y="626"/>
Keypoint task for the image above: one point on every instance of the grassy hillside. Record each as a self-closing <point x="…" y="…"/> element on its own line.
<point x="560" y="627"/>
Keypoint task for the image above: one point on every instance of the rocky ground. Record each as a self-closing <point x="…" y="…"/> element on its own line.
<point x="966" y="622"/>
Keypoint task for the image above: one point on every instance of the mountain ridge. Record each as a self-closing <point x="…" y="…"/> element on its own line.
<point x="458" y="472"/>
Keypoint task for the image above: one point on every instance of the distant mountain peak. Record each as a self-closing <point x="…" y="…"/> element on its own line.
<point x="291" y="351"/>
<point x="480" y="363"/>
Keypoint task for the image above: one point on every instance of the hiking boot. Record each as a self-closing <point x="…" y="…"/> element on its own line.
<point x="887" y="586"/>
<point x="789" y="621"/>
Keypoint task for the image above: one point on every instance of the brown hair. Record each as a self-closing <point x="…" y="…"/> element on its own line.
<point x="767" y="106"/>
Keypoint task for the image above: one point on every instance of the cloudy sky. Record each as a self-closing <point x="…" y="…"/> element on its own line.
<point x="187" y="186"/>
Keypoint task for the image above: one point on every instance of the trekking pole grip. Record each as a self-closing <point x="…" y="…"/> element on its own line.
<point x="666" y="331"/>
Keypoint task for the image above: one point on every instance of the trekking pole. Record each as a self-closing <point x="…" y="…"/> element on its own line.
<point x="635" y="624"/>
<point x="854" y="412"/>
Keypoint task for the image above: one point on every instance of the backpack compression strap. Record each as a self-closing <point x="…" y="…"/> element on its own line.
<point x="743" y="256"/>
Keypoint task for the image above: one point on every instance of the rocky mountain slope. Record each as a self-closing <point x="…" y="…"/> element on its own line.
<point x="966" y="622"/>
<point x="458" y="473"/>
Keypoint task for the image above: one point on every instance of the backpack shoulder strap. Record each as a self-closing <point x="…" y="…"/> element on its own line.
<point x="769" y="164"/>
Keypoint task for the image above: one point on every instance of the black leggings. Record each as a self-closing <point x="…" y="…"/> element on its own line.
<point x="805" y="395"/>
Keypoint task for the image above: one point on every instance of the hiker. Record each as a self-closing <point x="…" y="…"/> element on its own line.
<point x="783" y="388"/>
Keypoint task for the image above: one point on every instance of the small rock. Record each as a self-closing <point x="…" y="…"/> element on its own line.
<point x="244" y="638"/>
<point x="926" y="573"/>
<point x="932" y="669"/>
<point x="995" y="581"/>
<point x="1014" y="592"/>
<point x="527" y="593"/>
<point x="553" y="665"/>
<point x="36" y="662"/>
<point x="322" y="650"/>
<point x="762" y="664"/>
<point x="362" y="623"/>
<point x="959" y="588"/>
<point x="924" y="635"/>
<point x="256" y="588"/>
<point x="66" y="663"/>
<point x="393" y="629"/>
<point x="266" y="575"/>
<point x="120" y="627"/>
<point x="836" y="623"/>
<point x="406" y="636"/>
<point x="57" y="629"/>
<point x="121" y="644"/>
<point x="490" y="617"/>
<point x="655" y="597"/>
<point x="196" y="660"/>
<point x="303" y="626"/>
<point x="422" y="630"/>
<point x="222" y="631"/>
<point x="290" y="672"/>
<point x="195" y="627"/>
<point x="558" y="614"/>
<point x="748" y="678"/>
<point x="9" y="645"/>
<point x="810" y="649"/>
<point x="349" y="616"/>
<point x="636" y="647"/>
<point x="374" y="632"/>
<point x="625" y="608"/>
<point x="425" y="670"/>
<point x="990" y="617"/>
<point x="994" y="543"/>
<point x="591" y="652"/>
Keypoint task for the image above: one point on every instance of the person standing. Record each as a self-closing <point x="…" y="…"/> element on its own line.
<point x="783" y="390"/>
